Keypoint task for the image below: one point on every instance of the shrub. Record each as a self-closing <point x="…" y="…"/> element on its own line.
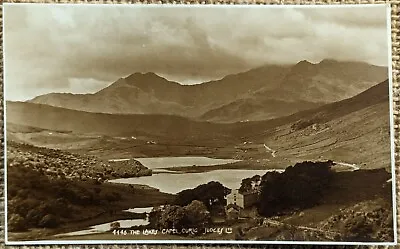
<point x="34" y="216"/>
<point x="49" y="221"/>
<point x="115" y="225"/>
<point x="16" y="223"/>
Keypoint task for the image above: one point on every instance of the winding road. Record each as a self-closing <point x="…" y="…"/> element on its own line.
<point x="328" y="233"/>
<point x="351" y="165"/>
<point x="270" y="150"/>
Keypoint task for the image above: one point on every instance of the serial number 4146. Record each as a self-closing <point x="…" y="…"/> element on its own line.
<point x="126" y="232"/>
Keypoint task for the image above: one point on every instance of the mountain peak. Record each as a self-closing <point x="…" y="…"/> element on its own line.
<point x="146" y="75"/>
<point x="304" y="62"/>
<point x="303" y="65"/>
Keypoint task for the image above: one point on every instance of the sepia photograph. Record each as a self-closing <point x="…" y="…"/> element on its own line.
<point x="162" y="123"/>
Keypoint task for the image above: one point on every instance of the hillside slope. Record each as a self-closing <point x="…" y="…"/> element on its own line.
<point x="347" y="131"/>
<point x="304" y="86"/>
<point x="60" y="119"/>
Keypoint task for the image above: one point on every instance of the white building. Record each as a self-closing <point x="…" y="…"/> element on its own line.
<point x="235" y="198"/>
<point x="242" y="200"/>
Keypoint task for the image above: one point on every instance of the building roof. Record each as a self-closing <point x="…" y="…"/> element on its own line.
<point x="237" y="191"/>
<point x="232" y="206"/>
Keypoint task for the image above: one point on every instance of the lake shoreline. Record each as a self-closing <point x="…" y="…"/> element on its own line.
<point x="122" y="214"/>
<point x="241" y="165"/>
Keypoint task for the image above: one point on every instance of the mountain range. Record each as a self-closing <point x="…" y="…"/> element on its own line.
<point x="173" y="126"/>
<point x="263" y="93"/>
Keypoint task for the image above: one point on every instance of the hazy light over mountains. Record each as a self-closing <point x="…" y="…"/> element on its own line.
<point x="84" y="48"/>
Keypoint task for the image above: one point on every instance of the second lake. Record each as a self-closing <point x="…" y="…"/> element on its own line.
<point x="174" y="183"/>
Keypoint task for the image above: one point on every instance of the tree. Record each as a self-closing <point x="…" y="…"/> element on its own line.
<point x="211" y="194"/>
<point x="171" y="216"/>
<point x="197" y="214"/>
<point x="194" y="215"/>
<point x="247" y="183"/>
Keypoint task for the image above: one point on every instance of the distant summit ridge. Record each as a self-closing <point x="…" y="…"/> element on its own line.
<point x="303" y="66"/>
<point x="261" y="93"/>
<point x="328" y="61"/>
<point x="305" y="62"/>
<point x="149" y="75"/>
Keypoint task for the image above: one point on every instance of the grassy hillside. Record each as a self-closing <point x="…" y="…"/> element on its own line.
<point x="54" y="118"/>
<point x="375" y="95"/>
<point x="343" y="131"/>
<point x="59" y="164"/>
<point x="59" y="190"/>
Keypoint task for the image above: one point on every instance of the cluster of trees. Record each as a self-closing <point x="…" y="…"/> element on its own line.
<point x="192" y="216"/>
<point x="298" y="187"/>
<point x="211" y="195"/>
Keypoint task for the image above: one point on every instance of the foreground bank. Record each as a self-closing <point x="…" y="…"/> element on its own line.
<point x="307" y="202"/>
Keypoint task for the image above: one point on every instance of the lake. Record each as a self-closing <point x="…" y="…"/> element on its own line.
<point x="171" y="162"/>
<point x="171" y="182"/>
<point x="105" y="227"/>
<point x="174" y="183"/>
<point x="139" y="210"/>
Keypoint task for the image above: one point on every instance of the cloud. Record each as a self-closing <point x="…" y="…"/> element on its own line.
<point x="49" y="46"/>
<point x="367" y="16"/>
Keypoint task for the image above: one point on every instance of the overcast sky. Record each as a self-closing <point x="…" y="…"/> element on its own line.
<point x="84" y="48"/>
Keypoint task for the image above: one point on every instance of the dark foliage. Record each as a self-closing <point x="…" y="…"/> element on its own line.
<point x="49" y="220"/>
<point x="299" y="187"/>
<point x="35" y="200"/>
<point x="192" y="216"/>
<point x="247" y="183"/>
<point x="211" y="194"/>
